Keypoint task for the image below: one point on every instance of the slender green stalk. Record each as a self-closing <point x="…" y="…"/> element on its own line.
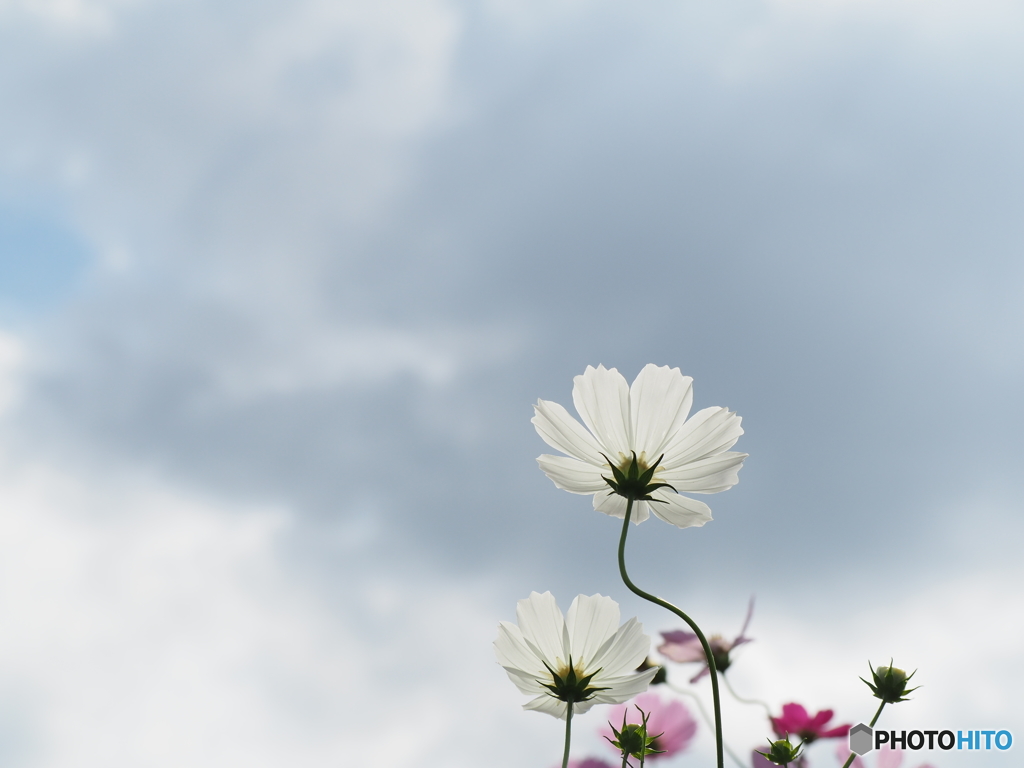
<point x="693" y="625"/>
<point x="740" y="699"/>
<point x="568" y="734"/>
<point x="849" y="760"/>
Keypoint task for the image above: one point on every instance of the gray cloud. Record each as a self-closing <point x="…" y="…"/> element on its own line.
<point x="774" y="232"/>
<point x="343" y="249"/>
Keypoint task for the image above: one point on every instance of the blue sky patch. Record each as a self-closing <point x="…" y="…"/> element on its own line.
<point x="41" y="260"/>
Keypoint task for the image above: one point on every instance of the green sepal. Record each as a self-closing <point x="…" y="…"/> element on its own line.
<point x="781" y="752"/>
<point x="890" y="683"/>
<point x="634" y="484"/>
<point x="571" y="688"/>
<point x="632" y="740"/>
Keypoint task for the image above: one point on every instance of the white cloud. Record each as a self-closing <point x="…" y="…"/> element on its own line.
<point x="77" y="17"/>
<point x="316" y="357"/>
<point x="143" y="625"/>
<point x="12" y="358"/>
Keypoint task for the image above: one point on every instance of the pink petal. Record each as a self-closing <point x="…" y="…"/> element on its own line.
<point x="793" y="719"/>
<point x="700" y="674"/>
<point x="843" y="752"/>
<point x="816" y="722"/>
<point x="682" y="653"/>
<point x="889" y="758"/>
<point x="678" y="636"/>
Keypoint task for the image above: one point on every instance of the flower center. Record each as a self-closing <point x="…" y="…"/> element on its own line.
<point x="570" y="683"/>
<point x="720" y="648"/>
<point x="633" y="477"/>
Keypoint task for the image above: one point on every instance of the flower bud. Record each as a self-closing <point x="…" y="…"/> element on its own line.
<point x="889" y="683"/>
<point x="781" y="752"/>
<point x="633" y="740"/>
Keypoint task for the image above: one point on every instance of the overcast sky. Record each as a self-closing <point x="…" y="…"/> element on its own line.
<point x="280" y="281"/>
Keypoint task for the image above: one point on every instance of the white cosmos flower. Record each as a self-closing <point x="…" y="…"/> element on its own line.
<point x="551" y="657"/>
<point x="648" y="419"/>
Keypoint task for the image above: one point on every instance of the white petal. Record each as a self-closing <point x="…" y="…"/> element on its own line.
<point x="573" y="475"/>
<point x="601" y="397"/>
<point x="710" y="431"/>
<point x="591" y="621"/>
<point x="659" y="402"/>
<point x="625" y="688"/>
<point x="563" y="433"/>
<point x="549" y="705"/>
<point x="614" y="505"/>
<point x="710" y="475"/>
<point x="623" y="652"/>
<point x="581" y="707"/>
<point x="525" y="682"/>
<point x="552" y="706"/>
<point x="543" y="626"/>
<point x="512" y="650"/>
<point x="681" y="511"/>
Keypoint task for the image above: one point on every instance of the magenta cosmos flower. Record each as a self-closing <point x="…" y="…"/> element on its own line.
<point x="683" y="647"/>
<point x="671" y="719"/>
<point x="646" y="422"/>
<point x="795" y="721"/>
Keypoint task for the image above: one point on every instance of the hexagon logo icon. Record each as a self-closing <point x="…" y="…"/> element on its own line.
<point x="861" y="737"/>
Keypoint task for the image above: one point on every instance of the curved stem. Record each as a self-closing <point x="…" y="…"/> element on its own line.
<point x="568" y="734"/>
<point x="692" y="624"/>
<point x="706" y="718"/>
<point x="740" y="699"/>
<point x="849" y="760"/>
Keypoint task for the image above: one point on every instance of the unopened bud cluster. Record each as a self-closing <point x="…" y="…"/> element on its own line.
<point x="890" y="683"/>
<point x="781" y="752"/>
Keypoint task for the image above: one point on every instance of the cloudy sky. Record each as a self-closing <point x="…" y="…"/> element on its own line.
<point x="279" y="282"/>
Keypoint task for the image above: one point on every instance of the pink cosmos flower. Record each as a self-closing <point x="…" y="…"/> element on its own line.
<point x="683" y="647"/>
<point x="671" y="719"/>
<point x="795" y="721"/>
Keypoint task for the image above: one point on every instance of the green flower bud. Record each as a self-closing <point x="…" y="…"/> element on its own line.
<point x="781" y="752"/>
<point x="890" y="683"/>
<point x="632" y="740"/>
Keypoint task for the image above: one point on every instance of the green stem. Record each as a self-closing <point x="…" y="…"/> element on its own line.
<point x="875" y="718"/>
<point x="692" y="624"/>
<point x="849" y="760"/>
<point x="568" y="734"/>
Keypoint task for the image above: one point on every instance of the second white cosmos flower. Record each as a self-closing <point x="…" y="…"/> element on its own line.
<point x="584" y="657"/>
<point x="648" y="421"/>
